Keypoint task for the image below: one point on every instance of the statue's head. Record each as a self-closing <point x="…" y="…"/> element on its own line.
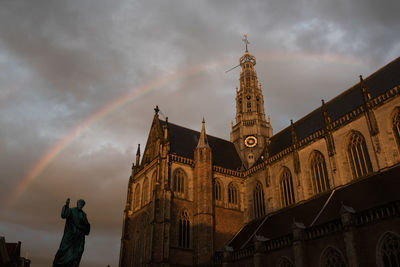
<point x="80" y="204"/>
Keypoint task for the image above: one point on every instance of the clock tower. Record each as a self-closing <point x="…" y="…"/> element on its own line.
<point x="251" y="131"/>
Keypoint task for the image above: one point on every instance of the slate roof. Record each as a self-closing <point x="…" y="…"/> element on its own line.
<point x="382" y="80"/>
<point x="373" y="191"/>
<point x="184" y="141"/>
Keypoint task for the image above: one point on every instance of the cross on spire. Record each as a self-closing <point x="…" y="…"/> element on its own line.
<point x="245" y="41"/>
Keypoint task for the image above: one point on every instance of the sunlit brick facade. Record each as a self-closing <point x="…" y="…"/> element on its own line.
<point x="198" y="200"/>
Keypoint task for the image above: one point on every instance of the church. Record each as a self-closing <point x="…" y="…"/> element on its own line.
<point x="325" y="191"/>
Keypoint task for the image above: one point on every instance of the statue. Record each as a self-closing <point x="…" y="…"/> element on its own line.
<point x="76" y="227"/>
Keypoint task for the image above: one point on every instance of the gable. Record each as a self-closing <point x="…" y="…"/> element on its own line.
<point x="152" y="144"/>
<point x="183" y="142"/>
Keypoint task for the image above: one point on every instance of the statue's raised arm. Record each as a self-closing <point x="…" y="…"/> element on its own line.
<point x="73" y="240"/>
<point x="65" y="212"/>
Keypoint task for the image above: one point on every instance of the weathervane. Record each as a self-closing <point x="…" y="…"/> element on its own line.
<point x="245" y="41"/>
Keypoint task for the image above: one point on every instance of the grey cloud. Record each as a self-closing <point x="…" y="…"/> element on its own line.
<point x="62" y="61"/>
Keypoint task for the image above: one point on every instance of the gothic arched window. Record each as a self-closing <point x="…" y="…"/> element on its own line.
<point x="389" y="251"/>
<point x="332" y="258"/>
<point x="319" y="174"/>
<point x="137" y="197"/>
<point x="259" y="203"/>
<point x="396" y="128"/>
<point x="358" y="156"/>
<point x="184" y="230"/>
<point x="233" y="194"/>
<point x="130" y="197"/>
<point x="145" y="191"/>
<point x="286" y="188"/>
<point x="218" y="191"/>
<point x="179" y="178"/>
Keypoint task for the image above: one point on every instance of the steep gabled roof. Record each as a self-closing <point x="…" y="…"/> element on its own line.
<point x="373" y="191"/>
<point x="382" y="80"/>
<point x="184" y="141"/>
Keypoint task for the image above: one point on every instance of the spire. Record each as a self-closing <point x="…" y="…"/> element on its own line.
<point x="138" y="155"/>
<point x="327" y="119"/>
<point x="293" y="133"/>
<point x="296" y="159"/>
<point x="330" y="142"/>
<point x="203" y="142"/>
<point x="248" y="75"/>
<point x="166" y="128"/>
<point x="368" y="105"/>
<point x="364" y="90"/>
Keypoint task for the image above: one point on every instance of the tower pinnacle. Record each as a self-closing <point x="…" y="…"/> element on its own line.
<point x="203" y="142"/>
<point x="251" y="131"/>
<point x="138" y="155"/>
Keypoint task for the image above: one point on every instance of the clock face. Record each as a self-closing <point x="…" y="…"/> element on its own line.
<point x="250" y="141"/>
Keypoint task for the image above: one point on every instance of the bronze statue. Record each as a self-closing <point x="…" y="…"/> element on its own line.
<point x="73" y="241"/>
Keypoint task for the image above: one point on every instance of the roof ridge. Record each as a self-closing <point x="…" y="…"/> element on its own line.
<point x="382" y="68"/>
<point x="208" y="135"/>
<point x="348" y="90"/>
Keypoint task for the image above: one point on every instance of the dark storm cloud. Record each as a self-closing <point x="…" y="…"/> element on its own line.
<point x="62" y="61"/>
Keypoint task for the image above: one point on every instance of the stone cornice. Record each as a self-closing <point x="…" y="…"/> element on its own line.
<point x="338" y="123"/>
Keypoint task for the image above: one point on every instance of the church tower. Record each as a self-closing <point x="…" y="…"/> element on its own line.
<point x="251" y="132"/>
<point x="203" y="217"/>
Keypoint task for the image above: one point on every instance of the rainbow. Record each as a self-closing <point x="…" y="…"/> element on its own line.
<point x="52" y="153"/>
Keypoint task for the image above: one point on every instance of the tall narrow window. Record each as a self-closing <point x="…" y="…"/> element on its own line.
<point x="233" y="195"/>
<point x="332" y="258"/>
<point x="145" y="191"/>
<point x="184" y="230"/>
<point x="153" y="182"/>
<point x="217" y="191"/>
<point x="130" y="197"/>
<point x="396" y="128"/>
<point x="259" y="203"/>
<point x="137" y="197"/>
<point x="179" y="181"/>
<point x="319" y="174"/>
<point x="286" y="188"/>
<point x="358" y="156"/>
<point x="389" y="251"/>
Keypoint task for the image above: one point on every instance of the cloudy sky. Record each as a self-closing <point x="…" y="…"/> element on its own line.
<point x="79" y="80"/>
